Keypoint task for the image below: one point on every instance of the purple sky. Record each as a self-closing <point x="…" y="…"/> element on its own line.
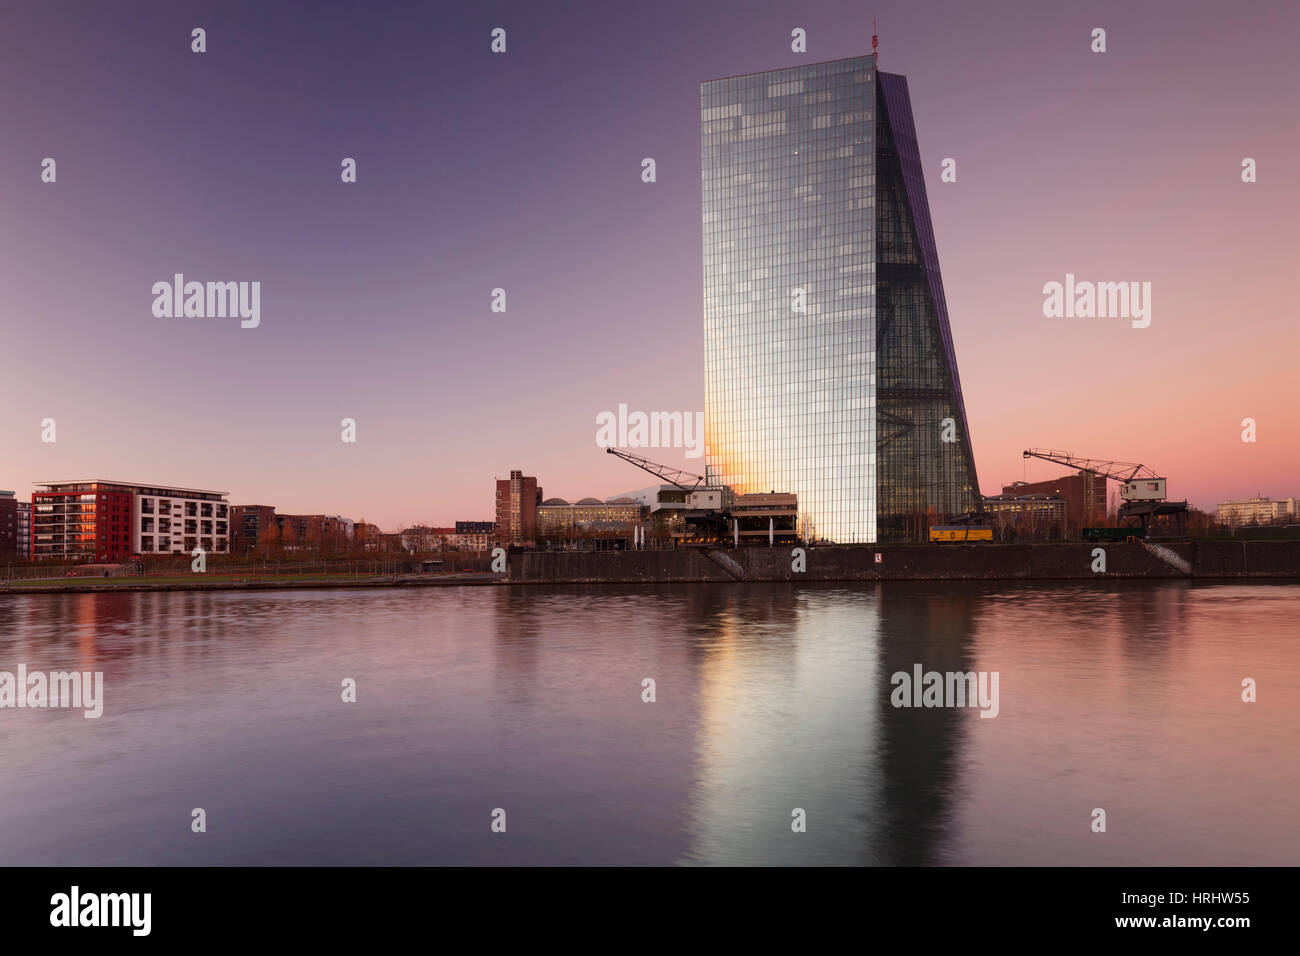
<point x="522" y="171"/>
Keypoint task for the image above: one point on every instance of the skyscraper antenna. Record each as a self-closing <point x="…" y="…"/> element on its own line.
<point x="875" y="42"/>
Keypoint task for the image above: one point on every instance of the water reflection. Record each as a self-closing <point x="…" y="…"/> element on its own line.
<point x="934" y="626"/>
<point x="769" y="699"/>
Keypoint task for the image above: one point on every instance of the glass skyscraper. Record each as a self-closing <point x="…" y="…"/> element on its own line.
<point x="829" y="367"/>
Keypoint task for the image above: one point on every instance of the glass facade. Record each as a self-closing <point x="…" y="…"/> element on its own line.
<point x="788" y="161"/>
<point x="829" y="369"/>
<point x="925" y="468"/>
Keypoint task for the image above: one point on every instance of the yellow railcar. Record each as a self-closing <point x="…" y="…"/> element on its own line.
<point x="961" y="533"/>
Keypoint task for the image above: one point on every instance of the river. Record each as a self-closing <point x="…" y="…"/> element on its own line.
<point x="773" y="713"/>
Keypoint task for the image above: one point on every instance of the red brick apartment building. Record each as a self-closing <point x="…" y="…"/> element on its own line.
<point x="247" y="524"/>
<point x="315" y="532"/>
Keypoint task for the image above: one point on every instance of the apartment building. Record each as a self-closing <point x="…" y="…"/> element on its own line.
<point x="105" y="521"/>
<point x="472" y="536"/>
<point x="25" y="530"/>
<point x="9" y="534"/>
<point x="247" y="525"/>
<point x="315" y="532"/>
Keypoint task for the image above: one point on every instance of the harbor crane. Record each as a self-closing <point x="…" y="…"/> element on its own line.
<point x="674" y="476"/>
<point x="1143" y="491"/>
<point x="708" y="510"/>
<point x="703" y="506"/>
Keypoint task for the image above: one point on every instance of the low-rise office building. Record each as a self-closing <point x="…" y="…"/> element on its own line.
<point x="1257" y="511"/>
<point x="555" y="516"/>
<point x="1027" y="517"/>
<point x="758" y="517"/>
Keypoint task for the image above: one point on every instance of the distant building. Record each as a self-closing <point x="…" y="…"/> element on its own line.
<point x="385" y="541"/>
<point x="9" y="535"/>
<point x="247" y="524"/>
<point x="555" y="516"/>
<point x="337" y="532"/>
<point x="292" y="530"/>
<point x="1084" y="495"/>
<point x="417" y="538"/>
<point x="367" y="536"/>
<point x="102" y="521"/>
<point x="1257" y="511"/>
<point x="472" y="536"/>
<point x="1026" y="517"/>
<point x="421" y="539"/>
<point x="517" y="498"/>
<point x="659" y="498"/>
<point x="757" y="516"/>
<point x="315" y="532"/>
<point x="25" y="530"/>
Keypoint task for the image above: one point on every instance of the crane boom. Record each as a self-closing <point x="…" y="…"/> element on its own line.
<point x="1121" y="471"/>
<point x="672" y="475"/>
<point x="1143" y="491"/>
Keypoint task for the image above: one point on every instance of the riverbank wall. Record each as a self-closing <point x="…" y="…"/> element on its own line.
<point x="913" y="562"/>
<point x="1226" y="560"/>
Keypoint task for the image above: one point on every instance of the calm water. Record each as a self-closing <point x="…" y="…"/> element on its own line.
<point x="769" y="698"/>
